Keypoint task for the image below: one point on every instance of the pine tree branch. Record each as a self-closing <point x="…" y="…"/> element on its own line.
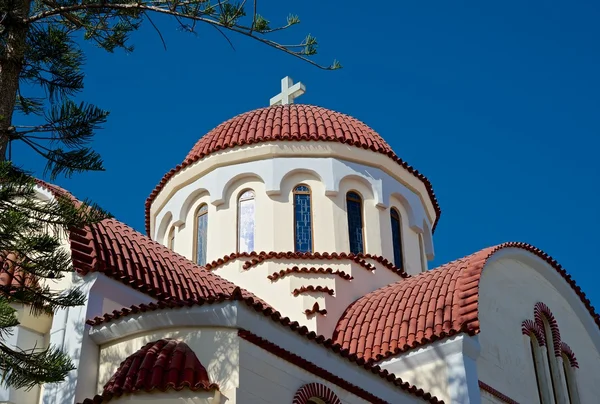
<point x="154" y="9"/>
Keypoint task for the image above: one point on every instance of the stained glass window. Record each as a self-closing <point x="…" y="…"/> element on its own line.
<point x="302" y="219"/>
<point x="396" y="237"/>
<point x="246" y="207"/>
<point x="201" y="234"/>
<point x="355" y="222"/>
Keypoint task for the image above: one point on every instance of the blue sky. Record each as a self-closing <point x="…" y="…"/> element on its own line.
<point x="497" y="104"/>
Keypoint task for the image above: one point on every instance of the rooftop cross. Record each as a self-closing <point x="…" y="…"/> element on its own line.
<point x="289" y="92"/>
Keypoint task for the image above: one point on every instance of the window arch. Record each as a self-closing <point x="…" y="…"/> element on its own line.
<point x="303" y="231"/>
<point x="246" y="221"/>
<point x="171" y="239"/>
<point x="556" y="376"/>
<point x="201" y="224"/>
<point x="397" y="237"/>
<point x="354" y="211"/>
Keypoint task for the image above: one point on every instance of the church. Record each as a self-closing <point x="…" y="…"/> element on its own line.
<point x="285" y="260"/>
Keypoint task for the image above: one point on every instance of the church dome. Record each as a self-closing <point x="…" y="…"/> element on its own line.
<point x="291" y="122"/>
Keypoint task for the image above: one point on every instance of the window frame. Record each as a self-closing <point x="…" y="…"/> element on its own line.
<point x="360" y="199"/>
<point x="171" y="239"/>
<point x="199" y="213"/>
<point x="393" y="210"/>
<point x="312" y="227"/>
<point x="238" y="217"/>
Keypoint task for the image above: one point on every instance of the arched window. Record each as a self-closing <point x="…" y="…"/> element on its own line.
<point x="552" y="363"/>
<point x="537" y="364"/>
<point x="201" y="234"/>
<point x="302" y="219"/>
<point x="355" y="222"/>
<point x="246" y="214"/>
<point x="171" y="239"/>
<point x="397" y="237"/>
<point x="422" y="253"/>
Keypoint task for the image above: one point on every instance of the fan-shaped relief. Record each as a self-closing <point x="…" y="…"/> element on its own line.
<point x="315" y="393"/>
<point x="543" y="331"/>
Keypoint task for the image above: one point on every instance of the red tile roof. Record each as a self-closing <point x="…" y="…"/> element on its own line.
<point x="13" y="277"/>
<point x="424" y="308"/>
<point x="312" y="270"/>
<point x="295" y="122"/>
<point x="330" y="377"/>
<point x="161" y="365"/>
<point x="276" y="316"/>
<point x="256" y="258"/>
<point x="122" y="253"/>
<point x="502" y="397"/>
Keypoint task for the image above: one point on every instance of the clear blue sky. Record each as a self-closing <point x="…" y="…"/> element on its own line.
<point x="497" y="104"/>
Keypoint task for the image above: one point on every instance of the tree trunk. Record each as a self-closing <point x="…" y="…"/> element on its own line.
<point x="11" y="63"/>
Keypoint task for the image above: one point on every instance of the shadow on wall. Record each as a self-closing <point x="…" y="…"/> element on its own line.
<point x="441" y="377"/>
<point x="68" y="387"/>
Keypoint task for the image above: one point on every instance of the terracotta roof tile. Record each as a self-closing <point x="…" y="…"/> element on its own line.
<point x="122" y="253"/>
<point x="295" y="122"/>
<point x="424" y="308"/>
<point x="161" y="365"/>
<point x="12" y="276"/>
<point x="276" y="316"/>
<point x="312" y="270"/>
<point x="255" y="258"/>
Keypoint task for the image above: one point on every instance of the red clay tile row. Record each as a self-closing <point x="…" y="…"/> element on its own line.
<point x="312" y="289"/>
<point x="272" y="314"/>
<point x="326" y="375"/>
<point x="118" y="251"/>
<point x="426" y="307"/>
<point x="312" y="270"/>
<point x="541" y="311"/>
<point x="486" y="387"/>
<point x="12" y="275"/>
<point x="294" y="122"/>
<point x="529" y="327"/>
<point x="315" y="310"/>
<point x="310" y="390"/>
<point x="259" y="257"/>
<point x="568" y="352"/>
<point x="161" y="365"/>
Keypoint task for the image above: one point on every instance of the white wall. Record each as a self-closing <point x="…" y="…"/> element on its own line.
<point x="510" y="286"/>
<point x="273" y="181"/>
<point x="216" y="348"/>
<point x="265" y="378"/>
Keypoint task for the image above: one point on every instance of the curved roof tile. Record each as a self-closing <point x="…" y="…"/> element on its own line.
<point x="427" y="307"/>
<point x="295" y="122"/>
<point x="161" y="365"/>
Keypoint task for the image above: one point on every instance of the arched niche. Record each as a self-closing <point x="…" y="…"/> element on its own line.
<point x="164" y="224"/>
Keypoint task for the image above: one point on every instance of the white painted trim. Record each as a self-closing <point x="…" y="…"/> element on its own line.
<point x="272" y="172"/>
<point x="459" y="353"/>
<point x="557" y="281"/>
<point x="238" y="315"/>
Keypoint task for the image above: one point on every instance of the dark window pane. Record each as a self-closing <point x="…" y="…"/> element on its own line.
<point x="355" y="222"/>
<point x="396" y="238"/>
<point x="302" y="219"/>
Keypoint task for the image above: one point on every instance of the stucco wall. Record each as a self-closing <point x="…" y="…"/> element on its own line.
<point x="273" y="181"/>
<point x="172" y="397"/>
<point x="265" y="378"/>
<point x="509" y="289"/>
